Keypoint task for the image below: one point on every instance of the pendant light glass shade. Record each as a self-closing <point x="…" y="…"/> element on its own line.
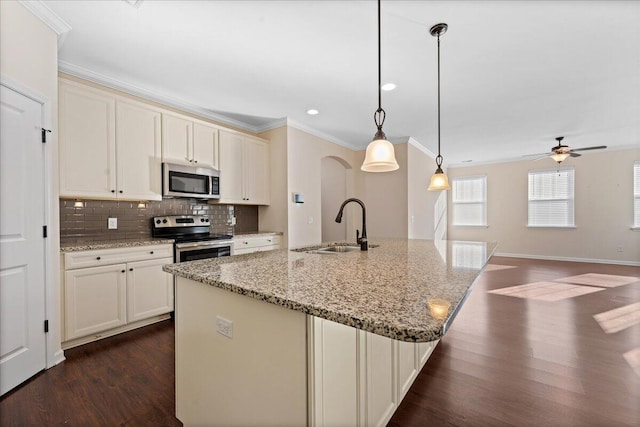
<point x="380" y="156"/>
<point x="439" y="181"/>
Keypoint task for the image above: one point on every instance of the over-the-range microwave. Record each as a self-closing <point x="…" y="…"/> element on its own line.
<point x="190" y="181"/>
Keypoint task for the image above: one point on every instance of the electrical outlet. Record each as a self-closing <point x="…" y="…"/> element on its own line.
<point x="224" y="326"/>
<point x="232" y="221"/>
<point x="112" y="223"/>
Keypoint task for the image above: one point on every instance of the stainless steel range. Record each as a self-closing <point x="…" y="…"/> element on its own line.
<point x="193" y="239"/>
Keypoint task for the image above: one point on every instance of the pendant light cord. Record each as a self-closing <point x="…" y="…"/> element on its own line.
<point x="439" y="157"/>
<point x="380" y="114"/>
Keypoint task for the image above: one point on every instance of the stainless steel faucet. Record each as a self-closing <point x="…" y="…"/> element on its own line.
<point x="362" y="241"/>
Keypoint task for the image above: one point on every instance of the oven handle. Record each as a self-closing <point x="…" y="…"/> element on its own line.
<point x="218" y="244"/>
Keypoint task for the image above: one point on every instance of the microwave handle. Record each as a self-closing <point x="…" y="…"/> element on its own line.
<point x="210" y="185"/>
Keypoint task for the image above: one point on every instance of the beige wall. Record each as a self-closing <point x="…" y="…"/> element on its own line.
<point x="421" y="201"/>
<point x="29" y="56"/>
<point x="603" y="210"/>
<point x="305" y="153"/>
<point x="275" y="217"/>
<point x="333" y="193"/>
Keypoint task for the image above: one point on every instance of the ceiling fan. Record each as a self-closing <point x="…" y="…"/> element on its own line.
<point x="560" y="152"/>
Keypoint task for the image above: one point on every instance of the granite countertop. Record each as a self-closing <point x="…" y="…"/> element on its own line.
<point x="385" y="290"/>
<point x="112" y="244"/>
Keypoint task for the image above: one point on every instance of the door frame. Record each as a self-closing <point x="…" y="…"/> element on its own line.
<point x="53" y="350"/>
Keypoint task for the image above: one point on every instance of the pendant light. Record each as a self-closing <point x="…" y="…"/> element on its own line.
<point x="380" y="156"/>
<point x="439" y="180"/>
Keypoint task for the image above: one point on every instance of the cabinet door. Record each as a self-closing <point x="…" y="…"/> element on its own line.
<point x="205" y="145"/>
<point x="87" y="142"/>
<point x="138" y="152"/>
<point x="149" y="289"/>
<point x="177" y="139"/>
<point x="408" y="366"/>
<point x="231" y="167"/>
<point x="333" y="374"/>
<point x="380" y="389"/>
<point x="95" y="300"/>
<point x="256" y="171"/>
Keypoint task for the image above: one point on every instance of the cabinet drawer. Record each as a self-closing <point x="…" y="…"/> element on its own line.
<point x="256" y="242"/>
<point x="94" y="258"/>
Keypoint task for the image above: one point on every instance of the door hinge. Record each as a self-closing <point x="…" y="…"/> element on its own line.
<point x="46" y="326"/>
<point x="44" y="135"/>
<point x="44" y="231"/>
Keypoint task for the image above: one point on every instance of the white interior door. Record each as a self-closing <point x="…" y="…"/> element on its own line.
<point x="22" y="279"/>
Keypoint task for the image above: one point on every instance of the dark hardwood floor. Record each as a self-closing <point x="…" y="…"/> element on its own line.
<point x="505" y="361"/>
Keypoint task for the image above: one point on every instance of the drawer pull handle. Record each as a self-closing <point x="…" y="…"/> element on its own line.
<point x="98" y="258"/>
<point x="122" y="271"/>
<point x="151" y="252"/>
<point x="269" y="240"/>
<point x="131" y="269"/>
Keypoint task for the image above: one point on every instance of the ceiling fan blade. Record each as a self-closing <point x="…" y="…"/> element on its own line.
<point x="539" y="154"/>
<point x="545" y="156"/>
<point x="599" y="147"/>
<point x="575" y="154"/>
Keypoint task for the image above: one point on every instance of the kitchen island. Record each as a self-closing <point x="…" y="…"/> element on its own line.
<point x="297" y="337"/>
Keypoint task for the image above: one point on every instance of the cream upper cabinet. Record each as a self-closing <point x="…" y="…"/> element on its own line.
<point x="205" y="145"/>
<point x="138" y="146"/>
<point x="87" y="127"/>
<point x="187" y="141"/>
<point x="244" y="169"/>
<point x="109" y="146"/>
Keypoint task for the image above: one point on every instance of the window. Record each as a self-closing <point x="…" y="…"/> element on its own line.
<point x="469" y="199"/>
<point x="468" y="254"/>
<point x="636" y="194"/>
<point x="551" y="198"/>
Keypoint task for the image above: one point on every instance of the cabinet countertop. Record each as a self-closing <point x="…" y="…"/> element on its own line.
<point x="249" y="234"/>
<point x="112" y="244"/>
<point x="385" y="290"/>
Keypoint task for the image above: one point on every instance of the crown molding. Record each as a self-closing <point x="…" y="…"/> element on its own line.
<point x="46" y="15"/>
<point x="286" y="121"/>
<point x="161" y="98"/>
<point x="414" y="142"/>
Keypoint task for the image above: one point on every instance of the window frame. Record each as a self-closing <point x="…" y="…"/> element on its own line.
<point x="483" y="202"/>
<point x="572" y="220"/>
<point x="636" y="195"/>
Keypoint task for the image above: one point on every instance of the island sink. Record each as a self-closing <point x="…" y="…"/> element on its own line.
<point x="336" y="249"/>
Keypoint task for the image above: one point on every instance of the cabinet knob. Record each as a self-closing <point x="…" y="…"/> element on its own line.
<point x="269" y="240"/>
<point x="121" y="191"/>
<point x="195" y="161"/>
<point x="113" y="191"/>
<point x="246" y="243"/>
<point x="151" y="252"/>
<point x="123" y="271"/>
<point x="131" y="269"/>
<point x="98" y="258"/>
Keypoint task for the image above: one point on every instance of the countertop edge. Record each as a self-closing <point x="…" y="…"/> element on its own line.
<point x="409" y="335"/>
<point x="87" y="246"/>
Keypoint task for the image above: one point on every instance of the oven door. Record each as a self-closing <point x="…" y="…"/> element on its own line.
<point x="202" y="250"/>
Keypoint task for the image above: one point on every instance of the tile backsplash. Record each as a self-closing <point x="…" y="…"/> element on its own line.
<point x="89" y="222"/>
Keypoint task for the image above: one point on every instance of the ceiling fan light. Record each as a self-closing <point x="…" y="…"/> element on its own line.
<point x="439" y="181"/>
<point x="380" y="156"/>
<point x="560" y="157"/>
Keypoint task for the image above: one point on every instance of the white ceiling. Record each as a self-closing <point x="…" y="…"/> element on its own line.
<point x="515" y="74"/>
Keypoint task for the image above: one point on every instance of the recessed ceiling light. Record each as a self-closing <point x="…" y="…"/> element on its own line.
<point x="312" y="112"/>
<point x="388" y="86"/>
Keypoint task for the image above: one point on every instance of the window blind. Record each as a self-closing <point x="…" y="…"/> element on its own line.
<point x="551" y="198"/>
<point x="636" y="193"/>
<point x="468" y="254"/>
<point x="469" y="200"/>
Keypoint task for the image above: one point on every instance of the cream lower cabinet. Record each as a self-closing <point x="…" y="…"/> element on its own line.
<point x="113" y="290"/>
<point x="357" y="378"/>
<point x="249" y="245"/>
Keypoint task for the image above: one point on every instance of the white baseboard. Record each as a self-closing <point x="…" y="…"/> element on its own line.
<point x="58" y="357"/>
<point x="571" y="259"/>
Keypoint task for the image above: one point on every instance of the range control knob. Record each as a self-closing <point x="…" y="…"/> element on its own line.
<point x="164" y="221"/>
<point x="201" y="219"/>
<point x="206" y="220"/>
<point x="158" y="221"/>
